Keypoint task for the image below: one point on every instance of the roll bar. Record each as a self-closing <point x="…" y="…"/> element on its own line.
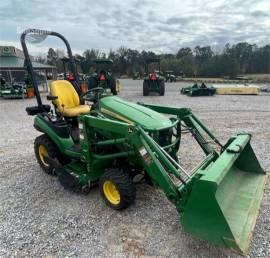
<point x="29" y="65"/>
<point x="151" y="60"/>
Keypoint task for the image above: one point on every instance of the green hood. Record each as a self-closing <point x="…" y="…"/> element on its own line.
<point x="132" y="113"/>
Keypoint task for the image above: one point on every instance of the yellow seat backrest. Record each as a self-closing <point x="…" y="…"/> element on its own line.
<point x="67" y="95"/>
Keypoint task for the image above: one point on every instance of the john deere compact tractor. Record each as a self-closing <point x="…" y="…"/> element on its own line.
<point x="111" y="141"/>
<point x="103" y="76"/>
<point x="153" y="81"/>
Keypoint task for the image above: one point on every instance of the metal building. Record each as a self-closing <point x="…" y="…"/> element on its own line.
<point x="12" y="67"/>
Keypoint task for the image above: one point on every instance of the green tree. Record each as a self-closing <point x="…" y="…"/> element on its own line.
<point x="203" y="54"/>
<point x="51" y="57"/>
<point x="184" y="52"/>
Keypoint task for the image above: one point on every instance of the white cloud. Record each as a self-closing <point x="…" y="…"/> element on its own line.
<point x="151" y="24"/>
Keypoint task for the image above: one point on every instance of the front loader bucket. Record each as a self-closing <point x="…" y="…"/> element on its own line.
<point x="224" y="203"/>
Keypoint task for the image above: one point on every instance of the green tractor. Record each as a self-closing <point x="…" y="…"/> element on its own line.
<point x="66" y="73"/>
<point x="170" y="76"/>
<point x="103" y="77"/>
<point x="153" y="81"/>
<point x="111" y="141"/>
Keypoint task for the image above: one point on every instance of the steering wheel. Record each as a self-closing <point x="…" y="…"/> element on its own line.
<point x="92" y="94"/>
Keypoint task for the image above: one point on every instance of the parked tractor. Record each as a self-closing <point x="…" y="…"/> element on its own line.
<point x="170" y="76"/>
<point x="103" y="77"/>
<point x="153" y="81"/>
<point x="67" y="75"/>
<point x="111" y="141"/>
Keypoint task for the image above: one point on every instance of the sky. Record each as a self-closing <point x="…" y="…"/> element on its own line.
<point x="159" y="26"/>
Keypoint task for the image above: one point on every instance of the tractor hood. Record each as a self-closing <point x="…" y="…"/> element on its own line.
<point x="132" y="113"/>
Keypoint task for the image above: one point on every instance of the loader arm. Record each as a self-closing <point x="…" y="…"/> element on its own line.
<point x="193" y="124"/>
<point x="218" y="200"/>
<point x="142" y="143"/>
<point x="159" y="165"/>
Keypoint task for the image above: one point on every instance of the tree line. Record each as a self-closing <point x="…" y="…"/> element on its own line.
<point x="241" y="58"/>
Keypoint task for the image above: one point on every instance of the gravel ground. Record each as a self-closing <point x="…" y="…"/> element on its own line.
<point x="39" y="218"/>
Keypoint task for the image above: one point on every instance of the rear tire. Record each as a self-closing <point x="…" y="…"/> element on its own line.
<point x="117" y="189"/>
<point x="161" y="88"/>
<point x="112" y="84"/>
<point x="145" y="88"/>
<point x="92" y="83"/>
<point x="45" y="147"/>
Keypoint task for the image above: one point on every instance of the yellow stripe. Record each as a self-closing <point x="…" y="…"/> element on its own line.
<point x="110" y="113"/>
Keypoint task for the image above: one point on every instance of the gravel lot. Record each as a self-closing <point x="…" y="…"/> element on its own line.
<point x="39" y="218"/>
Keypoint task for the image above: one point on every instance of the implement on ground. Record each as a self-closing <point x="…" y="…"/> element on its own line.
<point x="198" y="90"/>
<point x="112" y="141"/>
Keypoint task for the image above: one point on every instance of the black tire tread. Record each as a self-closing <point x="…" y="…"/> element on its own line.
<point x="145" y="89"/>
<point x="161" y="88"/>
<point x="51" y="148"/>
<point x="92" y="83"/>
<point x="113" y="86"/>
<point x="124" y="185"/>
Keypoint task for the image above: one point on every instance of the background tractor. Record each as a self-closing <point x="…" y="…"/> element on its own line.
<point x="153" y="81"/>
<point x="170" y="76"/>
<point x="112" y="141"/>
<point x="103" y="77"/>
<point x="68" y="75"/>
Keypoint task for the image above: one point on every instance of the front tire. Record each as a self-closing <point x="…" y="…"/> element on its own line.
<point x="92" y="83"/>
<point x="161" y="88"/>
<point x="145" y="89"/>
<point x="117" y="189"/>
<point x="113" y="88"/>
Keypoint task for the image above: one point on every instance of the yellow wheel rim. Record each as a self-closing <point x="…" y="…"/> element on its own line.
<point x="43" y="152"/>
<point x="111" y="193"/>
